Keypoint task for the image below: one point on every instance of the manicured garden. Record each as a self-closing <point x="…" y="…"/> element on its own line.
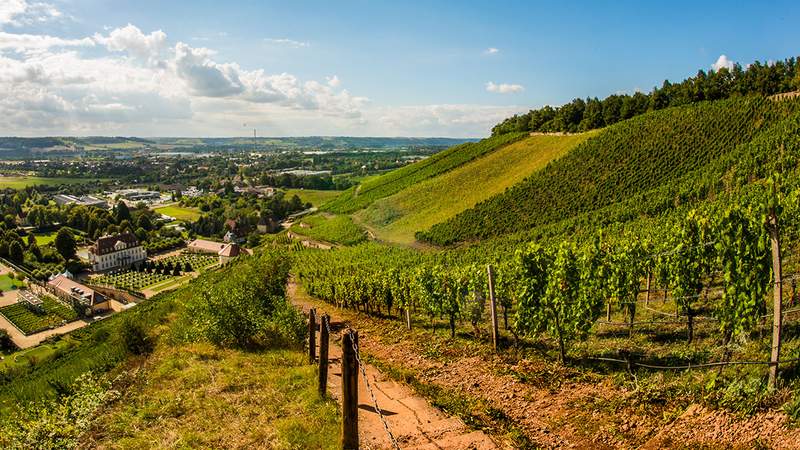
<point x="131" y="280"/>
<point x="54" y="313"/>
<point x="196" y="261"/>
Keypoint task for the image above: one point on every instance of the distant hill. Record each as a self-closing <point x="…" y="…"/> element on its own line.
<point x="316" y="142"/>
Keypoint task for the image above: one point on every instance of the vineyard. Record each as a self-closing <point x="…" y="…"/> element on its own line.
<point x="396" y="218"/>
<point x="53" y="314"/>
<point x="363" y="195"/>
<point x="644" y="165"/>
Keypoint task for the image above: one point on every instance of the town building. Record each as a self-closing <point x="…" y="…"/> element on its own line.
<point x="117" y="251"/>
<point x="70" y="291"/>
<point x="139" y="195"/>
<point x="225" y="251"/>
<point x="84" y="200"/>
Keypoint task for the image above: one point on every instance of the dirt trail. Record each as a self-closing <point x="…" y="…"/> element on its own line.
<point x="413" y="421"/>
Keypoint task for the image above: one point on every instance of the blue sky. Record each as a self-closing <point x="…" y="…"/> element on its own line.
<point x="351" y="67"/>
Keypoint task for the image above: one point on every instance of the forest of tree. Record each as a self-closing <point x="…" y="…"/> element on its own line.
<point x="587" y="114"/>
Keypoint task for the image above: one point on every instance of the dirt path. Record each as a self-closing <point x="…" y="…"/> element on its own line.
<point x="413" y="421"/>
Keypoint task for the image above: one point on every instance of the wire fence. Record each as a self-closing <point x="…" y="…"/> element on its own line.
<point x="688" y="366"/>
<point x="372" y="395"/>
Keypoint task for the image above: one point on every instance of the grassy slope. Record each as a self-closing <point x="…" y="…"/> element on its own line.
<point x="23" y="181"/>
<point x="199" y="396"/>
<point x="398" y="217"/>
<point x="361" y="196"/>
<point x="630" y="158"/>
<point x="336" y="229"/>
<point x="315" y="197"/>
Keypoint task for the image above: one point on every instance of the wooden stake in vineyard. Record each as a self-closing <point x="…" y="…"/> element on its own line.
<point x="777" y="298"/>
<point x="349" y="391"/>
<point x="312" y="335"/>
<point x="324" y="338"/>
<point x="495" y="332"/>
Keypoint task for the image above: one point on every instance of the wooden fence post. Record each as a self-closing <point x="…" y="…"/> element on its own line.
<point x="324" y="324"/>
<point x="495" y="332"/>
<point x="312" y="335"/>
<point x="408" y="318"/>
<point x="647" y="295"/>
<point x="777" y="299"/>
<point x="349" y="391"/>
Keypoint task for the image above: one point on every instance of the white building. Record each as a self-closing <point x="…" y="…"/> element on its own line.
<point x="113" y="252"/>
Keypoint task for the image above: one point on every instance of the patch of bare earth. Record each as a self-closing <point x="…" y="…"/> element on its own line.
<point x="555" y="407"/>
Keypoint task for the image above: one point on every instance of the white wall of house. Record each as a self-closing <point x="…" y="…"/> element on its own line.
<point x="120" y="257"/>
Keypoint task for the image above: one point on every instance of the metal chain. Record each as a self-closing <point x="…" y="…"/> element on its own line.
<point x="372" y="394"/>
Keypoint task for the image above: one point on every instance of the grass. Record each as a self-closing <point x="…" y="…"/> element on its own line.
<point x="7" y="283"/>
<point x="418" y="207"/>
<point x="179" y="212"/>
<point x="336" y="229"/>
<point x="199" y="396"/>
<point x="43" y="239"/>
<point x="37" y="355"/>
<point x="315" y="197"/>
<point x="54" y="314"/>
<point x="23" y="181"/>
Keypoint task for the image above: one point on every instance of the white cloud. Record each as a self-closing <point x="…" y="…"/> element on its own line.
<point x="491" y="51"/>
<point x="37" y="42"/>
<point x="21" y="12"/>
<point x="333" y="81"/>
<point x="723" y="62"/>
<point x="503" y="88"/>
<point x="130" y="39"/>
<point x="288" y="42"/>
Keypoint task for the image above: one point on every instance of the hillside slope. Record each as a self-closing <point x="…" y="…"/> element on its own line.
<point x="624" y="161"/>
<point x="396" y="218"/>
<point x="374" y="189"/>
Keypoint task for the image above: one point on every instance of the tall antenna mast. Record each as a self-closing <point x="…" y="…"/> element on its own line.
<point x="254" y="140"/>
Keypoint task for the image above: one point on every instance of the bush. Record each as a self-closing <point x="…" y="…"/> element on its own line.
<point x="134" y="337"/>
<point x="6" y="344"/>
<point x="246" y="306"/>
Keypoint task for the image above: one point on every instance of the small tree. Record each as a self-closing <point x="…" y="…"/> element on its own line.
<point x="15" y="252"/>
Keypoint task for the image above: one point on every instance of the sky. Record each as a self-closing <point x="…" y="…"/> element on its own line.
<point x="352" y="68"/>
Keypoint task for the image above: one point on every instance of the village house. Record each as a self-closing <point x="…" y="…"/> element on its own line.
<point x="70" y="291"/>
<point x="117" y="251"/>
<point x="225" y="251"/>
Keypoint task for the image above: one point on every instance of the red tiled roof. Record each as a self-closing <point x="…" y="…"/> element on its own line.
<point x="105" y="244"/>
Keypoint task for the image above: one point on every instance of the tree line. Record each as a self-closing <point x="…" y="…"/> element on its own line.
<point x="587" y="114"/>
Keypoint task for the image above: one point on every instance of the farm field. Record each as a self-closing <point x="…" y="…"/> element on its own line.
<point x="179" y="212"/>
<point x="23" y="181"/>
<point x="315" y="197"/>
<point x="29" y="322"/>
<point x="416" y="208"/>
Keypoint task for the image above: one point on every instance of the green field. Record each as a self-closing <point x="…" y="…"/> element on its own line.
<point x="7" y="283"/>
<point x="398" y="217"/>
<point x="179" y="212"/>
<point x="315" y="197"/>
<point x="23" y="181"/>
<point x="45" y="238"/>
<point x="333" y="229"/>
<point x="30" y="322"/>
